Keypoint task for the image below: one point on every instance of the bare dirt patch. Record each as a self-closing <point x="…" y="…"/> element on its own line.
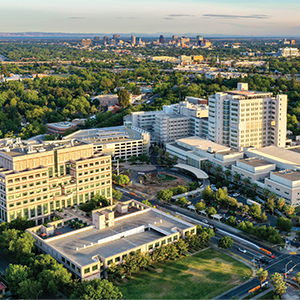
<point x="159" y="270"/>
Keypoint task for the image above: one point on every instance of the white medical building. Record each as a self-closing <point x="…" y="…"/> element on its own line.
<point x="245" y="118"/>
<point x="273" y="168"/>
<point x="173" y="122"/>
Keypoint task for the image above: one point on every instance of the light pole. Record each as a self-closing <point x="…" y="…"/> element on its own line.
<point x="286" y="268"/>
<point x="37" y="295"/>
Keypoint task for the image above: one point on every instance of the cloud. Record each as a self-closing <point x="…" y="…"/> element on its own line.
<point x="78" y="18"/>
<point x="181" y="15"/>
<point x="237" y="16"/>
<point x="169" y="18"/>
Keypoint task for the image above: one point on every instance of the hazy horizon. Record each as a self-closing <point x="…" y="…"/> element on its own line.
<point x="233" y="18"/>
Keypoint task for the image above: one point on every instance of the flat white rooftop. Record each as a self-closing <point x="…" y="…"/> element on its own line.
<point x="203" y="144"/>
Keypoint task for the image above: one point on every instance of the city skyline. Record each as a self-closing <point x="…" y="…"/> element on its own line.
<point x="240" y="18"/>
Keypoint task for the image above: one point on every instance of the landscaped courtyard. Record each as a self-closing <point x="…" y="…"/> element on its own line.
<point x="203" y="275"/>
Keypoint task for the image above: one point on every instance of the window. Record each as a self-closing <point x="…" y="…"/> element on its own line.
<point x="150" y="247"/>
<point x="163" y="242"/>
<point x="63" y="259"/>
<point x="95" y="267"/>
<point x="175" y="238"/>
<point x="73" y="266"/>
<point x="109" y="262"/>
<point x="169" y="240"/>
<point x="156" y="244"/>
<point x="124" y="256"/>
<point x="87" y="270"/>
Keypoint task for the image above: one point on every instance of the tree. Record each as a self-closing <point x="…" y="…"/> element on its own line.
<point x="124" y="98"/>
<point x="237" y="177"/>
<point x="208" y="194"/>
<point x="132" y="159"/>
<point x="244" y="209"/>
<point x="181" y="246"/>
<point x="200" y="206"/>
<point x="231" y="221"/>
<point x="218" y="169"/>
<point x="255" y="211"/>
<point x="227" y="173"/>
<point x="96" y="289"/>
<point x="289" y="210"/>
<point x="225" y="242"/>
<point x="210" y="211"/>
<point x="262" y="275"/>
<point x="246" y="181"/>
<point x="284" y="224"/>
<point x="221" y="196"/>
<point x="147" y="202"/>
<point x="182" y="201"/>
<point x="208" y="166"/>
<point x="165" y="195"/>
<point x="280" y="202"/>
<point x="278" y="283"/>
<point x="254" y="186"/>
<point x="117" y="194"/>
<point x="270" y="205"/>
<point x="298" y="278"/>
<point x="265" y="192"/>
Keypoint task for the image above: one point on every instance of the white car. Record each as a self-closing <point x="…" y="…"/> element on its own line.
<point x="242" y="250"/>
<point x="235" y="194"/>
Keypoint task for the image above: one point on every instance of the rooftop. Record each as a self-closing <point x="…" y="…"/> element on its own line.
<point x="250" y="94"/>
<point x="287" y="156"/>
<point x="255" y="162"/>
<point x="288" y="174"/>
<point x="95" y="239"/>
<point x="203" y="144"/>
<point x="105" y="135"/>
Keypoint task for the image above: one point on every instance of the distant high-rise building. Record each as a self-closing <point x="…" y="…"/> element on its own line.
<point x="161" y="39"/>
<point x="175" y="37"/>
<point x="97" y="38"/>
<point x="133" y="40"/>
<point x="139" y="40"/>
<point x="199" y="39"/>
<point x="116" y="37"/>
<point x="105" y="39"/>
<point x="86" y="42"/>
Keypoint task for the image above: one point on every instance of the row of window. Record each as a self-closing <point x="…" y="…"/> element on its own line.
<point x="26" y="178"/>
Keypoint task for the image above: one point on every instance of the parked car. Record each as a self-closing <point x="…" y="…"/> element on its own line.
<point x="235" y="194"/>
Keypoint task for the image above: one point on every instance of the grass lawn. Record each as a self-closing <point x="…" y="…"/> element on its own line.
<point x="204" y="275"/>
<point x="268" y="296"/>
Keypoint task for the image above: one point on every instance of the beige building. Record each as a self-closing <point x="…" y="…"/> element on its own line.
<point x="120" y="142"/>
<point x="253" y="168"/>
<point x="245" y="118"/>
<point x="115" y="232"/>
<point x="36" y="179"/>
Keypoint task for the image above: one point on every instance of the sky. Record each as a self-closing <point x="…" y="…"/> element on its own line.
<point x="204" y="17"/>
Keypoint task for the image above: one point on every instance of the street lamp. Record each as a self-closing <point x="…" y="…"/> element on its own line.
<point x="37" y="295"/>
<point x="286" y="268"/>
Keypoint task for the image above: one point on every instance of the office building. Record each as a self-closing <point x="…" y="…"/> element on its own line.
<point x="116" y="38"/>
<point x="288" y="52"/>
<point x="115" y="232"/>
<point x="173" y="122"/>
<point x="133" y="40"/>
<point x="105" y="100"/>
<point x="161" y="39"/>
<point x="105" y="40"/>
<point x="194" y="151"/>
<point x="86" y="42"/>
<point x="245" y="118"/>
<point x="120" y="142"/>
<point x="38" y="178"/>
<point x="60" y="127"/>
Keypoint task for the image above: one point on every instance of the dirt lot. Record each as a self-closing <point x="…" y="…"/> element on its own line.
<point x="153" y="185"/>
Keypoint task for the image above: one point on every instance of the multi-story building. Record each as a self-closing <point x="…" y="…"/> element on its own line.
<point x="115" y="232"/>
<point x="170" y="127"/>
<point x="173" y="122"/>
<point x="120" y="142"/>
<point x="161" y="39"/>
<point x="133" y="40"/>
<point x="245" y="118"/>
<point x="36" y="179"/>
<point x="285" y="52"/>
